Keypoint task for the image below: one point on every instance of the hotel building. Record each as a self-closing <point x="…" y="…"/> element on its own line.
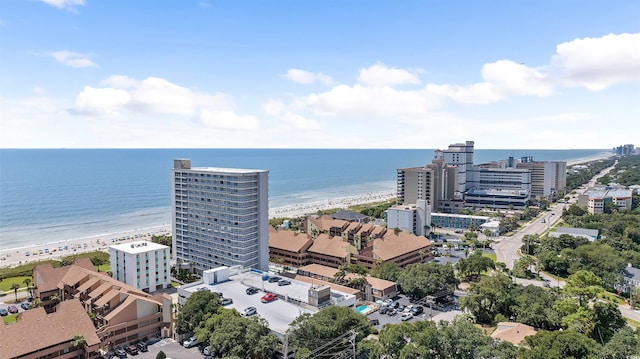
<point x="461" y="155"/>
<point x="219" y="216"/>
<point x="413" y="218"/>
<point x="143" y="265"/>
<point x="436" y="183"/>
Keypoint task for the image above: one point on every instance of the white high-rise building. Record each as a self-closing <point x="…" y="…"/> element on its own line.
<point x="219" y="216"/>
<point x="461" y="155"/>
<point x="141" y="264"/>
<point x="413" y="218"/>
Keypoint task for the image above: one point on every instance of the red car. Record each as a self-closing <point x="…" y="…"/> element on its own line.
<point x="13" y="309"/>
<point x="269" y="297"/>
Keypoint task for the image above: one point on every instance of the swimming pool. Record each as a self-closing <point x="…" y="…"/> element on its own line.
<point x="363" y="309"/>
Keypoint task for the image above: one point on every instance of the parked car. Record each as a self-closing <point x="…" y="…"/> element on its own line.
<point x="191" y="342"/>
<point x="392" y="312"/>
<point x="251" y="291"/>
<point x="282" y="282"/>
<point x="206" y="351"/>
<point x="383" y="310"/>
<point x="120" y="353"/>
<point x="13" y="309"/>
<point x="406" y="316"/>
<point x="269" y="297"/>
<point x="132" y="350"/>
<point x="3" y="312"/>
<point x="400" y="308"/>
<point x="142" y="346"/>
<point x="25" y="305"/>
<point x="274" y="279"/>
<point x="417" y="310"/>
<point x="249" y="311"/>
<point x="227" y="301"/>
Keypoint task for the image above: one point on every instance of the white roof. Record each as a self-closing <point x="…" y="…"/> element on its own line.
<point x="138" y="247"/>
<point x="225" y="170"/>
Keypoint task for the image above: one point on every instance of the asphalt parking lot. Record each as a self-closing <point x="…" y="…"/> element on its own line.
<point x="428" y="313"/>
<point x="171" y="348"/>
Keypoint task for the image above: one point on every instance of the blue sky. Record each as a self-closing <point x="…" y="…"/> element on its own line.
<point x="319" y="74"/>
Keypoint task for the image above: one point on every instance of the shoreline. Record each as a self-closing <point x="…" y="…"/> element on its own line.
<point x="51" y="249"/>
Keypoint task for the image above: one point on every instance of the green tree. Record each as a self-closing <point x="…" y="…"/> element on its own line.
<point x="27" y="282"/>
<point x="489" y="297"/>
<point x="622" y="345"/>
<point x="422" y="279"/>
<point x="15" y="287"/>
<point x="535" y="306"/>
<point x="161" y="355"/>
<point x="308" y="332"/>
<point x="198" y="308"/>
<point x="79" y="342"/>
<point x="387" y="270"/>
<point x="607" y="321"/>
<point x="234" y="336"/>
<point x="475" y="264"/>
<point x="560" y="344"/>
<point x="583" y="285"/>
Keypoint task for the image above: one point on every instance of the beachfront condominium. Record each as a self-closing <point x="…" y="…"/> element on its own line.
<point x="546" y="177"/>
<point x="413" y="218"/>
<point x="435" y="183"/>
<point x="461" y="155"/>
<point x="143" y="265"/>
<point x="219" y="217"/>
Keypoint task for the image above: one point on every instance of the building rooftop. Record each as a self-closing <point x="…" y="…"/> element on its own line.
<point x="226" y="170"/>
<point x="393" y="245"/>
<point x="279" y="313"/>
<point x="348" y="215"/>
<point x="454" y="215"/>
<point x="36" y="329"/>
<point x="289" y="240"/>
<point x="138" y="247"/>
<point x="332" y="246"/>
<point x="513" y="333"/>
<point x="609" y="193"/>
<point x="578" y="231"/>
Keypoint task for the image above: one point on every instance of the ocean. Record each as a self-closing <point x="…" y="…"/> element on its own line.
<point x="58" y="194"/>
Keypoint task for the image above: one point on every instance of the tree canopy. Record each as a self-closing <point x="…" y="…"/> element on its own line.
<point x="198" y="308"/>
<point x="421" y="279"/>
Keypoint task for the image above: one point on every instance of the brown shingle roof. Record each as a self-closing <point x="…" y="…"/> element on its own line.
<point x="35" y="329"/>
<point x="335" y="246"/>
<point x="393" y="245"/>
<point x="319" y="270"/>
<point x="325" y="222"/>
<point x="289" y="240"/>
<point x="380" y="284"/>
<point x="46" y="278"/>
<point x="512" y="332"/>
<point x="337" y="287"/>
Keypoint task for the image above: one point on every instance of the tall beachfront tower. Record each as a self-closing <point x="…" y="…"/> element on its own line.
<point x="220" y="216"/>
<point x="461" y="155"/>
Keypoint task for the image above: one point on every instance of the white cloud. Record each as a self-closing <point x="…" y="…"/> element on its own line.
<point x="502" y="79"/>
<point x="598" y="63"/>
<point x="307" y="77"/>
<point x="286" y="120"/>
<point x="64" y="4"/>
<point x="72" y="59"/>
<point x="104" y="100"/>
<point x="381" y="75"/>
<point x="228" y="120"/>
<point x="120" y="81"/>
<point x="38" y="90"/>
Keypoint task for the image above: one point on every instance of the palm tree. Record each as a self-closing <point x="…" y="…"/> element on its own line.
<point x="79" y="341"/>
<point x="15" y="287"/>
<point x="35" y="303"/>
<point x="27" y="282"/>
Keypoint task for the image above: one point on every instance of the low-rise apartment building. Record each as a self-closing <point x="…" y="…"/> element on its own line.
<point x="380" y="288"/>
<point x="335" y="243"/>
<point x="413" y="218"/>
<point x="119" y="313"/>
<point x="593" y="200"/>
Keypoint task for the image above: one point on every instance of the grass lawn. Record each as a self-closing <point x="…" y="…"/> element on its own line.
<point x="104" y="268"/>
<point x="10" y="318"/>
<point x="493" y="256"/>
<point x="6" y="283"/>
<point x="632" y="322"/>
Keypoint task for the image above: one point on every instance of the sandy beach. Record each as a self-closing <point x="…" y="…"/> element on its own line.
<point x="58" y="249"/>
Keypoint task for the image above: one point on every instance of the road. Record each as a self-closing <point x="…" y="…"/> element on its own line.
<point x="507" y="247"/>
